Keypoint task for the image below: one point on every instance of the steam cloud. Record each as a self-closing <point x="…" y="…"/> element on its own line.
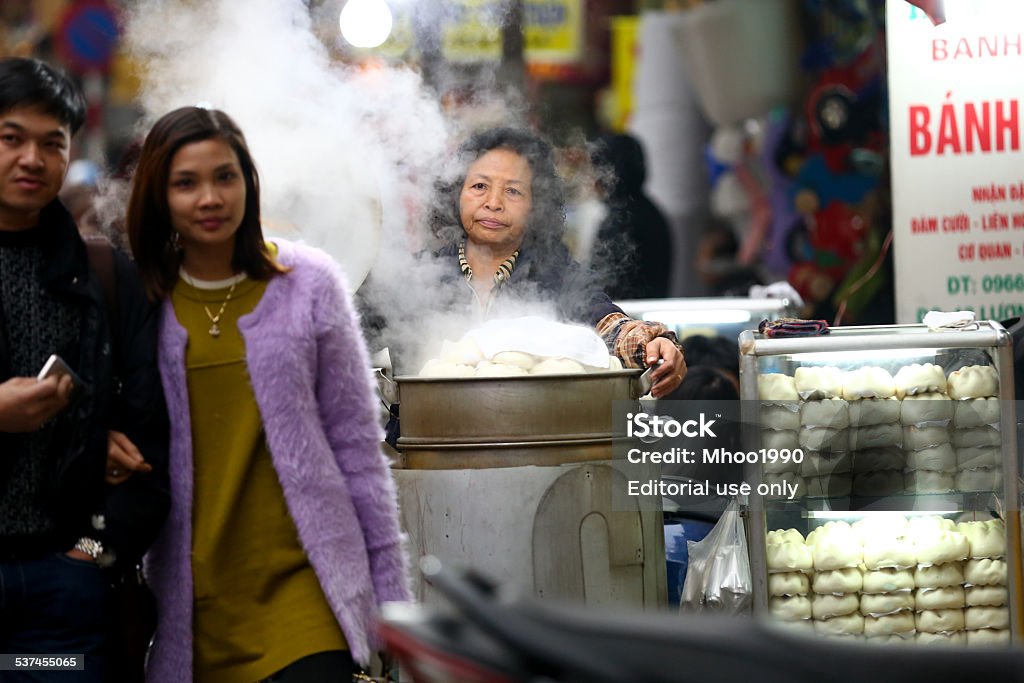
<point x="347" y="156"/>
<point x="337" y="149"/>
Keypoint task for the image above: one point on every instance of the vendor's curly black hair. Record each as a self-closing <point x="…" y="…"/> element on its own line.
<point x="547" y="216"/>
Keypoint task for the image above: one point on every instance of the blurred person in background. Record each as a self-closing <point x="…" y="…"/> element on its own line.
<point x="634" y="240"/>
<point x="714" y="369"/>
<point x="707" y="383"/>
<point x="79" y="194"/>
<point x="283" y="537"/>
<point x="715" y="350"/>
<point x="717" y="265"/>
<point x="112" y="196"/>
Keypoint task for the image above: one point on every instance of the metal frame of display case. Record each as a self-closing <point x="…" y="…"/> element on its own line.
<point x="865" y="339"/>
<point x="680" y="314"/>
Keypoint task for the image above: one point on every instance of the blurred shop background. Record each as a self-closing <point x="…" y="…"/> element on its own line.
<point x="757" y="128"/>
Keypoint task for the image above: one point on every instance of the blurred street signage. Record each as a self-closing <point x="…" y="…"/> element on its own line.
<point x="471" y="31"/>
<point x="86" y="35"/>
<point x="625" y="47"/>
<point x="553" y="31"/>
<point x="402" y="41"/>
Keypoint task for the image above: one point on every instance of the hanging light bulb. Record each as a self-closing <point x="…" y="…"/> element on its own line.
<point x="365" y="23"/>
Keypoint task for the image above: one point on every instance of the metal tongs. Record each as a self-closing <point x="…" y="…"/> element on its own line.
<point x="644" y="379"/>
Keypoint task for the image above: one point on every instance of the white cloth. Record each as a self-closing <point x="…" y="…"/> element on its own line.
<point x="776" y="290"/>
<point x="951" y="320"/>
<point x="532" y="334"/>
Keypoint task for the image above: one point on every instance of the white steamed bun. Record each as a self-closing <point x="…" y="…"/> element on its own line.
<point x="868" y="382"/>
<point x="973" y="381"/>
<point x="439" y="368"/>
<point x="919" y="379"/>
<point x="814" y="382"/>
<point x="516" y="358"/>
<point x="557" y="366"/>
<point x="775" y="386"/>
<point x="922" y="408"/>
<point x="873" y="411"/>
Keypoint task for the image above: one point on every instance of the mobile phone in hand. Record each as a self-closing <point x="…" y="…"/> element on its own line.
<point x="56" y="367"/>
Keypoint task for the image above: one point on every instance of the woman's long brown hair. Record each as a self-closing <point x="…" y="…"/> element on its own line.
<point x="149" y="217"/>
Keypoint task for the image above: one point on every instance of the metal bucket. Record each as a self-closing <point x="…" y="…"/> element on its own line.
<point x="471" y="422"/>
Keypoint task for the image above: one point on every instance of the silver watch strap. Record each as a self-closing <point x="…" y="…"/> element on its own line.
<point x="90" y="546"/>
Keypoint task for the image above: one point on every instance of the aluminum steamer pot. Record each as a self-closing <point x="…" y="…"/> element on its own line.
<point x="484" y="422"/>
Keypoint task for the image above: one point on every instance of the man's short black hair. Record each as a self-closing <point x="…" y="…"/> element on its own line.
<point x="34" y="83"/>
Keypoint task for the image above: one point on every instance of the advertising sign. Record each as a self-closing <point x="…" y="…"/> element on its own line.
<point x="955" y="112"/>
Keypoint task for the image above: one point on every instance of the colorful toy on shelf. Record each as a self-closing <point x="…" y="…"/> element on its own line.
<point x="835" y="154"/>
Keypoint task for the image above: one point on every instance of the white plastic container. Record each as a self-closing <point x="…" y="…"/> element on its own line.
<point x="741" y="56"/>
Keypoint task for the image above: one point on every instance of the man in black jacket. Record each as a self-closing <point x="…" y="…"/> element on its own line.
<point x="60" y="521"/>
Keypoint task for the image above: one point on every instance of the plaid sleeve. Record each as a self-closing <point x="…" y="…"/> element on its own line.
<point x="627" y="338"/>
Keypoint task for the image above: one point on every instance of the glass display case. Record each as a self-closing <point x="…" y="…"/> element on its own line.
<point x="712" y="316"/>
<point x="891" y="504"/>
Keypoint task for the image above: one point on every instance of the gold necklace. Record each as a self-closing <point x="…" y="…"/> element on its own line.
<point x="215" y="319"/>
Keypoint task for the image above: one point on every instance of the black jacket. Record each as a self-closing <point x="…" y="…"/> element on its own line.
<point x="540" y="275"/>
<point x="636" y="239"/>
<point x="119" y="368"/>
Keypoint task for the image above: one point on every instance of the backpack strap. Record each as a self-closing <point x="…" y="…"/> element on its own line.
<point x="101" y="258"/>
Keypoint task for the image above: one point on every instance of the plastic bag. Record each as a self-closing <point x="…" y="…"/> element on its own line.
<point x="718" y="576"/>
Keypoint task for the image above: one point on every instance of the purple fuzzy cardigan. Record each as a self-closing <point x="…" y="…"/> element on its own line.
<point x="311" y="376"/>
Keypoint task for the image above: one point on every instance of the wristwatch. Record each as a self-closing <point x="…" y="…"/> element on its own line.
<point x="90" y="546"/>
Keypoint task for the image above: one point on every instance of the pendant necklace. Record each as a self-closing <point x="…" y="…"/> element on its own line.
<point x="210" y="285"/>
<point x="215" y="319"/>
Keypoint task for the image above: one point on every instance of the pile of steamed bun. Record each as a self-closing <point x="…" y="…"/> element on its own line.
<point x="866" y="432"/>
<point x="465" y="359"/>
<point x="892" y="579"/>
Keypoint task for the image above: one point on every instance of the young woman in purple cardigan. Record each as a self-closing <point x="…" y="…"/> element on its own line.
<point x="283" y="536"/>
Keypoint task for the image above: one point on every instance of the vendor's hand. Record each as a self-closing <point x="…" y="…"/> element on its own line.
<point x="666" y="377"/>
<point x="26" y="403"/>
<point x="123" y="458"/>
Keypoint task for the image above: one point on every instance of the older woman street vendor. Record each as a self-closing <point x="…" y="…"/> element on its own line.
<point x="502" y="221"/>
